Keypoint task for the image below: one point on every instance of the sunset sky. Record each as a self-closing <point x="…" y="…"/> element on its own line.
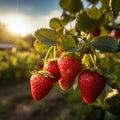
<point x="25" y="16"/>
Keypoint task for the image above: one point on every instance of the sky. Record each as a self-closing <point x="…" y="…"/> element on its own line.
<point x="25" y="16"/>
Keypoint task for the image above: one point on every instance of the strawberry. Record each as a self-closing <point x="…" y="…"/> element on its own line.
<point x="115" y="34"/>
<point x="96" y="32"/>
<point x="65" y="84"/>
<point x="40" y="85"/>
<point x="91" y="83"/>
<point x="69" y="68"/>
<point x="52" y="68"/>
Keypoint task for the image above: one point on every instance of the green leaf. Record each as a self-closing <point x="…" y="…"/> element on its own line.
<point x="43" y="49"/>
<point x="89" y="19"/>
<point x="40" y="47"/>
<point x="109" y="100"/>
<point x="73" y="49"/>
<point x="105" y="44"/>
<point x="113" y="101"/>
<point x="102" y="96"/>
<point x="113" y="74"/>
<point x="87" y="60"/>
<point x="115" y="6"/>
<point x="66" y="19"/>
<point x="72" y="6"/>
<point x="59" y="24"/>
<point x="105" y="5"/>
<point x="56" y="24"/>
<point x="109" y="116"/>
<point x="66" y="43"/>
<point x="109" y="27"/>
<point x="46" y="36"/>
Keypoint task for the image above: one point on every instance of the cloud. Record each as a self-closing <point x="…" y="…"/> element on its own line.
<point x="42" y="21"/>
<point x="16" y="23"/>
<point x="32" y="23"/>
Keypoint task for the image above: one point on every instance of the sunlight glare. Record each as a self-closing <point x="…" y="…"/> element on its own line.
<point x="17" y="24"/>
<point x="18" y="28"/>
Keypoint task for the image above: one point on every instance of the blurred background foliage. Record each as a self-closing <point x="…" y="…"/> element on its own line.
<point x="17" y="57"/>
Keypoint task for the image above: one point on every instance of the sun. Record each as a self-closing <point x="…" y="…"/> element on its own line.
<point x="18" y="27"/>
<point x="18" y="24"/>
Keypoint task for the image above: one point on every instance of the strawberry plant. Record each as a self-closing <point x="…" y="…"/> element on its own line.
<point x="15" y="66"/>
<point x="88" y="56"/>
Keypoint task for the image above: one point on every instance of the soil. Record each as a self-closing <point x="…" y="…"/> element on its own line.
<point x="16" y="103"/>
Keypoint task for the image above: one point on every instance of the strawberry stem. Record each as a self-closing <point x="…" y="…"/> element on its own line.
<point x="93" y="58"/>
<point x="46" y="57"/>
<point x="54" y="52"/>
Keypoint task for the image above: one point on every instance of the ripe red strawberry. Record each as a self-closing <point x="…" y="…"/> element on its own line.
<point x="115" y="34"/>
<point x="52" y="68"/>
<point x="96" y="32"/>
<point x="91" y="83"/>
<point x="40" y="85"/>
<point x="65" y="84"/>
<point x="69" y="68"/>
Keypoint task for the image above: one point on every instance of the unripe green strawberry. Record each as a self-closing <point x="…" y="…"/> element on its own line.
<point x="91" y="83"/>
<point x="40" y="85"/>
<point x="52" y="68"/>
<point x="69" y="69"/>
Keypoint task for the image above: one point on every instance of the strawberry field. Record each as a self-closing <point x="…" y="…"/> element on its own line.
<point x="16" y="66"/>
<point x="79" y="78"/>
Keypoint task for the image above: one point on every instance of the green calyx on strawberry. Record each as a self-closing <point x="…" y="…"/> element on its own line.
<point x="41" y="84"/>
<point x="53" y="69"/>
<point x="69" y="68"/>
<point x="91" y="84"/>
